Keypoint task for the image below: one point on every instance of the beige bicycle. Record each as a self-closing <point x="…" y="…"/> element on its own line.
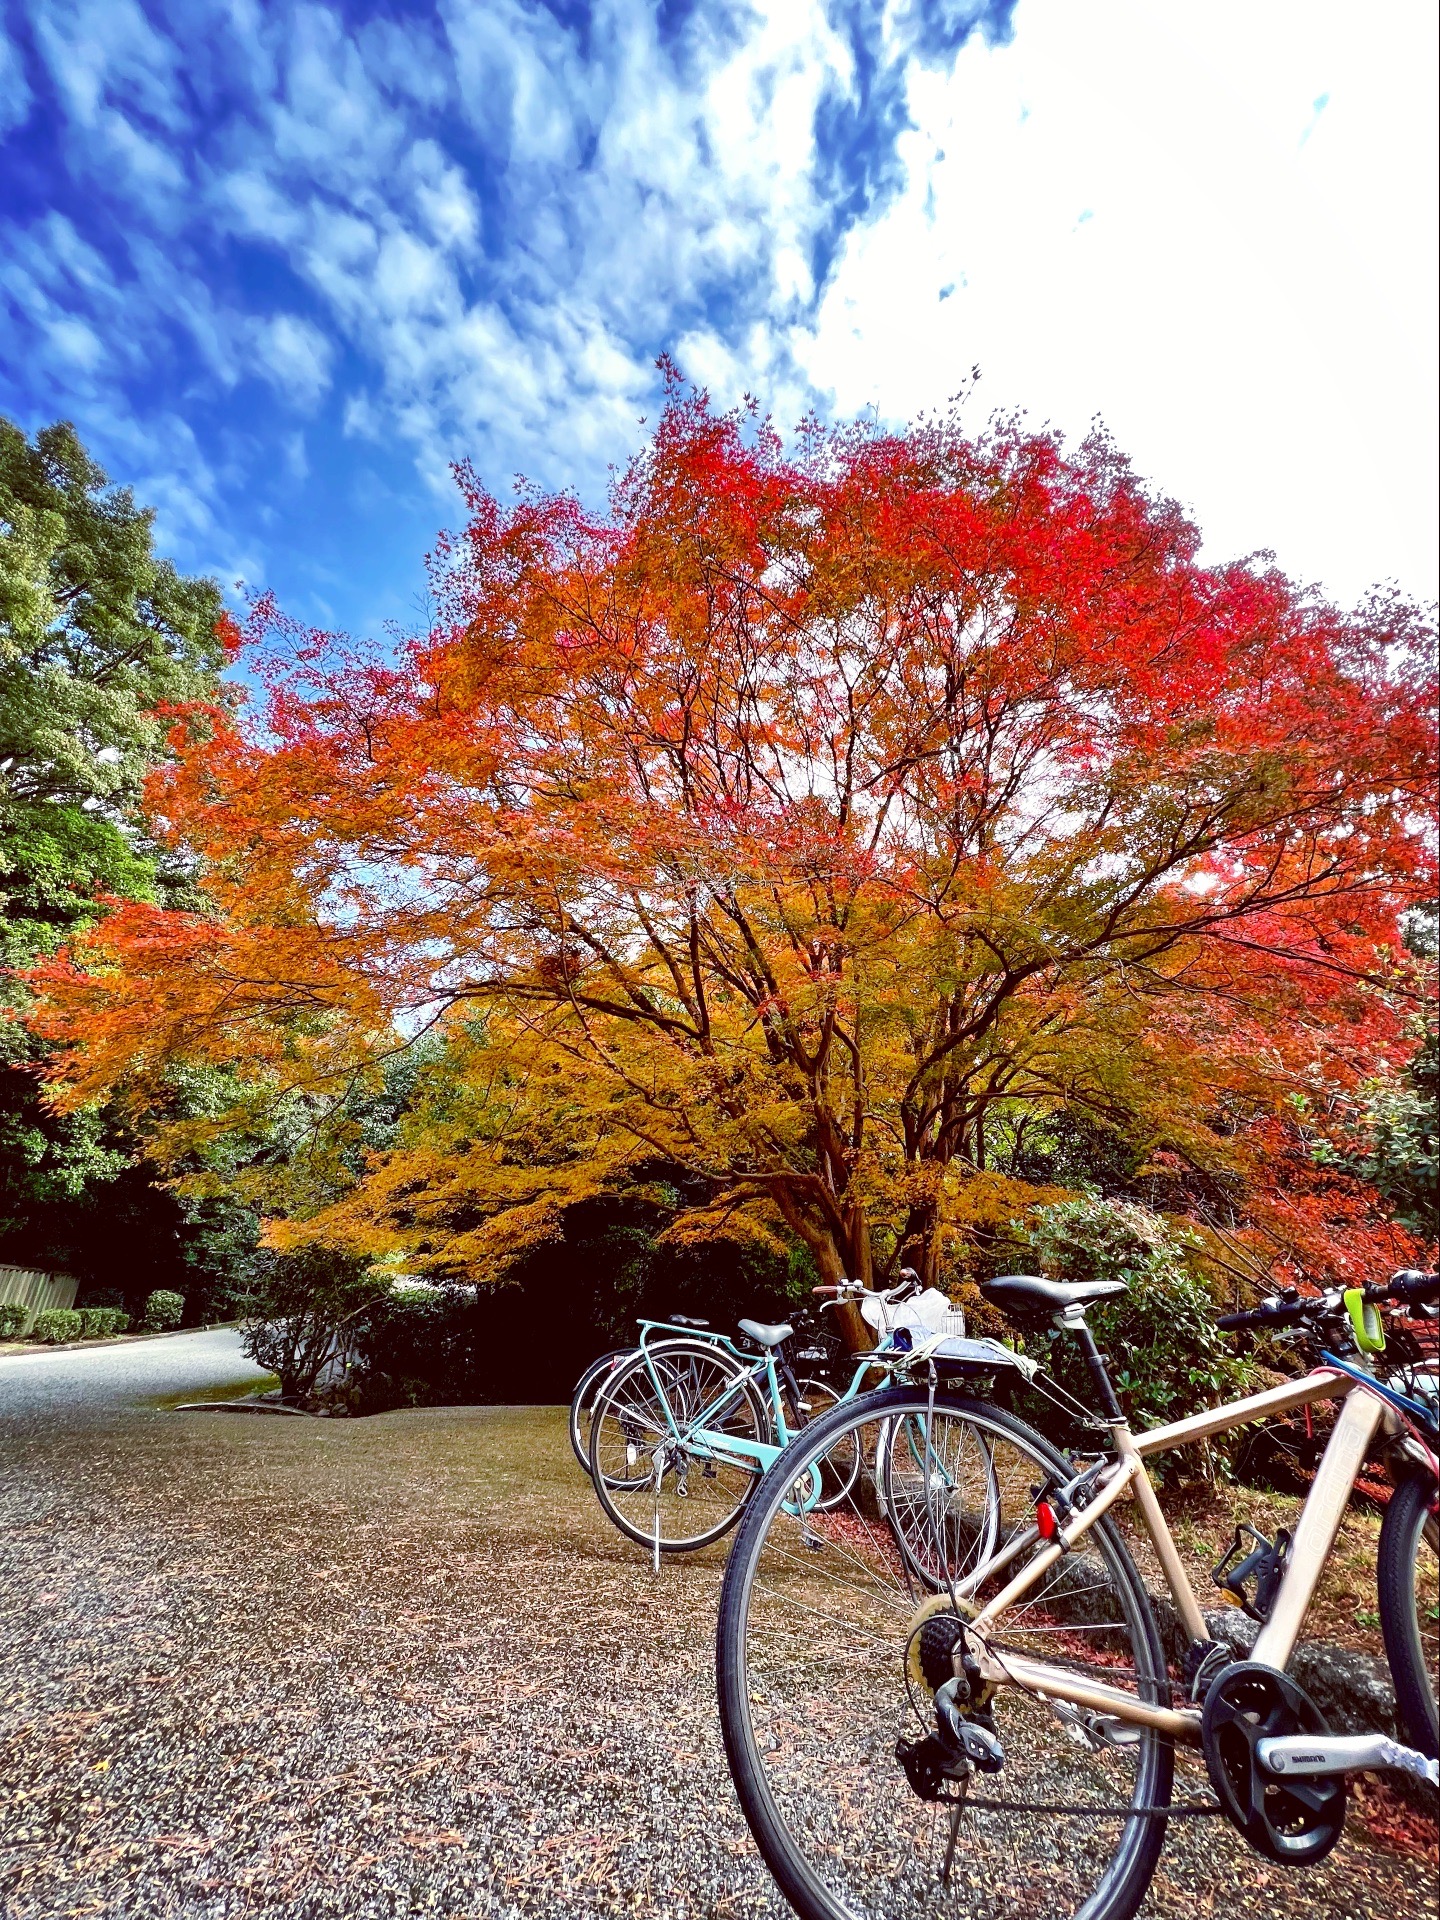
<point x="1008" y="1744"/>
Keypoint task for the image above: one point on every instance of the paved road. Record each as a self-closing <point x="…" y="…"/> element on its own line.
<point x="279" y="1669"/>
<point x="88" y="1383"/>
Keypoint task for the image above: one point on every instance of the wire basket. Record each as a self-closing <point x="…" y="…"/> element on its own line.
<point x="924" y="1315"/>
<point x="1412" y="1359"/>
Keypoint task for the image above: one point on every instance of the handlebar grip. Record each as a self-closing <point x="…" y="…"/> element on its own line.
<point x="832" y="1291"/>
<point x="1414" y="1286"/>
<point x="1290" y="1313"/>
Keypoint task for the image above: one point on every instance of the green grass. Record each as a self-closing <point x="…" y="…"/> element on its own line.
<point x="227" y="1390"/>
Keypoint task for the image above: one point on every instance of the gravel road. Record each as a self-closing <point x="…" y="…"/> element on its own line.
<point x="398" y="1666"/>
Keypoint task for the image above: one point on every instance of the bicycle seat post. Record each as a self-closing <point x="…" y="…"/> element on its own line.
<point x="1073" y="1320"/>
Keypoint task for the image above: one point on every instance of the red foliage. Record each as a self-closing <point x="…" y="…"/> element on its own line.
<point x="812" y="804"/>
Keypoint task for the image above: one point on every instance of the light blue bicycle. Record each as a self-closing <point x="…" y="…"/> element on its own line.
<point x="683" y="1431"/>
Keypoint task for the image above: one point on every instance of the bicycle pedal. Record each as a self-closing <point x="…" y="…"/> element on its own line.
<point x="1264" y="1564"/>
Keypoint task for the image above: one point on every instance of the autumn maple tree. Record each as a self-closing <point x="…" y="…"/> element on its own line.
<point x="794" y="821"/>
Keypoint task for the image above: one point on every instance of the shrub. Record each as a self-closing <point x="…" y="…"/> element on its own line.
<point x="12" y="1319"/>
<point x="56" y="1324"/>
<point x="98" y="1323"/>
<point x="302" y="1314"/>
<point x="1167" y="1357"/>
<point x="163" y="1310"/>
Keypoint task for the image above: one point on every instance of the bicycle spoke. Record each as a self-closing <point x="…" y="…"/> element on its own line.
<point x="828" y="1652"/>
<point x="661" y="1481"/>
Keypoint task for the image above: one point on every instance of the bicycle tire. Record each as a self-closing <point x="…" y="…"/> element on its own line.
<point x="836" y="1477"/>
<point x="923" y="1549"/>
<point x="732" y="1485"/>
<point x="583" y="1398"/>
<point x="837" y="1839"/>
<point x="1407" y="1618"/>
<point x="652" y="1357"/>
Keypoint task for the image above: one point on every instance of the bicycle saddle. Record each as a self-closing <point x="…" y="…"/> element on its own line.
<point x="764" y="1336"/>
<point x="1027" y="1293"/>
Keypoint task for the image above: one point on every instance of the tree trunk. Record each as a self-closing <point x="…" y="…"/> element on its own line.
<point x="837" y="1257"/>
<point x="858" y="1337"/>
<point x="920" y="1246"/>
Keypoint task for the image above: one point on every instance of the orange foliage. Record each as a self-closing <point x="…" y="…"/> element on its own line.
<point x="794" y="817"/>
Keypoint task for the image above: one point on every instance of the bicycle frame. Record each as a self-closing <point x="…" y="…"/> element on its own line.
<point x="705" y="1438"/>
<point x="1359" y="1418"/>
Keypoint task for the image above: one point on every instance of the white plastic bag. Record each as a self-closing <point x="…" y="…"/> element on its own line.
<point x="923" y="1313"/>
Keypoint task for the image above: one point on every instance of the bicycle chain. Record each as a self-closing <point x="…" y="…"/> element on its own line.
<point x="1189" y="1810"/>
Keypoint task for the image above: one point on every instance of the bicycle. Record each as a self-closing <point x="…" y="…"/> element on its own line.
<point x="592" y="1381"/>
<point x="1007" y="1744"/>
<point x="682" y="1433"/>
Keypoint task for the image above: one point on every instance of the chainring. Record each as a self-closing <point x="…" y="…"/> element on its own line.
<point x="1294" y="1821"/>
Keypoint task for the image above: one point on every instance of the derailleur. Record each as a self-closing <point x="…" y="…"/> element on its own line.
<point x="962" y="1744"/>
<point x="966" y="1739"/>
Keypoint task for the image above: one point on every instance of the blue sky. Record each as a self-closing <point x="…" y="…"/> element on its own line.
<point x="281" y="263"/>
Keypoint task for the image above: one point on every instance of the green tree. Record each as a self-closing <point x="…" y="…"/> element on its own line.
<point x="1167" y="1356"/>
<point x="97" y="633"/>
<point x="97" y="636"/>
<point x="1395" y="1140"/>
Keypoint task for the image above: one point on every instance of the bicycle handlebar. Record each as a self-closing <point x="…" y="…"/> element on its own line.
<point x="1274" y="1313"/>
<point x="1409" y="1288"/>
<point x="852" y="1292"/>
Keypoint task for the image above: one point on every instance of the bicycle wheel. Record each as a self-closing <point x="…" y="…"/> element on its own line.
<point x="587" y="1387"/>
<point x="1410" y="1606"/>
<point x="830" y="1649"/>
<point x="664" y="1487"/>
<point x="840" y="1468"/>
<point x="936" y="1531"/>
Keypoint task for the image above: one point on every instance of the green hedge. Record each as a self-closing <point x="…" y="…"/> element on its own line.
<point x="98" y="1323"/>
<point x="163" y="1310"/>
<point x="12" y="1319"/>
<point x="56" y="1324"/>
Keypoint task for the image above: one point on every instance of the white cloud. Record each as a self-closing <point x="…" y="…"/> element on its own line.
<point x="1209" y="224"/>
<point x="1148" y="214"/>
<point x="73" y="340"/>
<point x="295" y="356"/>
<point x="16" y="99"/>
<point x="96" y="49"/>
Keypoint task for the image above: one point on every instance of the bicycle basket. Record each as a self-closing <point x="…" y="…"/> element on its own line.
<point x="925" y="1314"/>
<point x="1413" y="1361"/>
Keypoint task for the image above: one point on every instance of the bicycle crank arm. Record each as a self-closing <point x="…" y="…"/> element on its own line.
<point x="1292" y="1754"/>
